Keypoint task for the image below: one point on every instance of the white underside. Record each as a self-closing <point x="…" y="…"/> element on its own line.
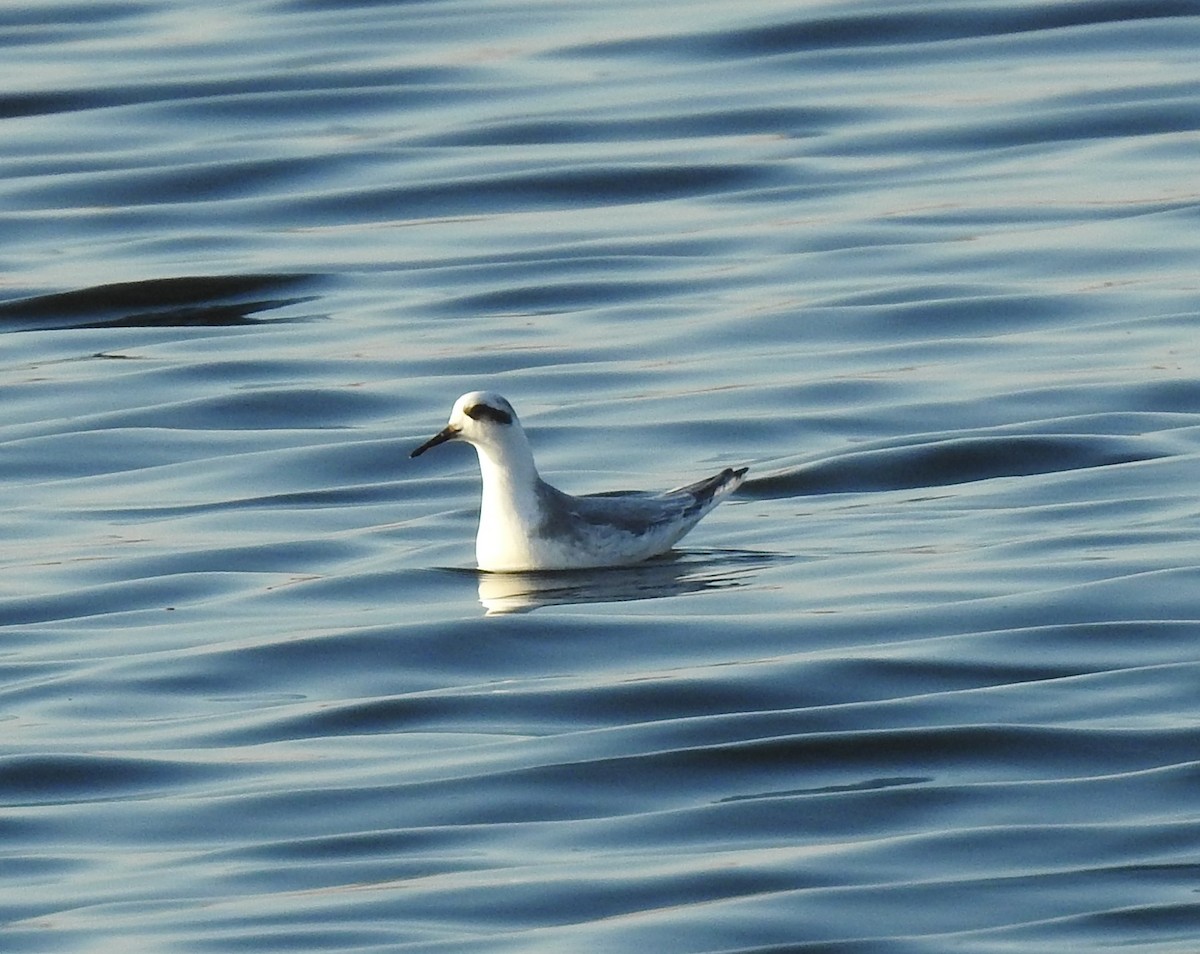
<point x="501" y="547"/>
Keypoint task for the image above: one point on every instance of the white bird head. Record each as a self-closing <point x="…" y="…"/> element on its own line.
<point x="482" y="418"/>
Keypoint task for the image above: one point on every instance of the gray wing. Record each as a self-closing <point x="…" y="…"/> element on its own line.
<point x="637" y="512"/>
<point x="629" y="512"/>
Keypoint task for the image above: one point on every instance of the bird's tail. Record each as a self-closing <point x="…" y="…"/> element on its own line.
<point x="712" y="489"/>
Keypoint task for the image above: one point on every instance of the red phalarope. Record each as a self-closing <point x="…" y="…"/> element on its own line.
<point x="525" y="524"/>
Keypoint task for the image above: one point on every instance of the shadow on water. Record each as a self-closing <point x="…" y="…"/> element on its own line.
<point x="212" y="301"/>
<point x="955" y="459"/>
<point x="676" y="574"/>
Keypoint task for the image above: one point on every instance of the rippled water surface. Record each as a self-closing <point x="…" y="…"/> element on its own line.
<point x="928" y="682"/>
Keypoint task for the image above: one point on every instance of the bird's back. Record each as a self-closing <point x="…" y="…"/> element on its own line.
<point x="623" y="526"/>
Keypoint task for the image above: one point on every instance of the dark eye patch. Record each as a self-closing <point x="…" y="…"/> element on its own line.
<point x="485" y="412"/>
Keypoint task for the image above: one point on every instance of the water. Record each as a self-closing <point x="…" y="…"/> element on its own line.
<point x="927" y="683"/>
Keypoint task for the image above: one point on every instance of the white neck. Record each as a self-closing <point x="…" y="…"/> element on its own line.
<point x="509" y="505"/>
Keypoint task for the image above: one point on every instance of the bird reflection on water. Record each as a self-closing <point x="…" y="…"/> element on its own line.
<point x="675" y="574"/>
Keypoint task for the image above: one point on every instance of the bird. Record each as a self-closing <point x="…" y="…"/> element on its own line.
<point x="527" y="525"/>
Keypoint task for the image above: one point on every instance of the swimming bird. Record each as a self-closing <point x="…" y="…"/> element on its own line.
<point x="525" y="524"/>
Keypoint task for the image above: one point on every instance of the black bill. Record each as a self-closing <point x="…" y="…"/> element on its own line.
<point x="447" y="433"/>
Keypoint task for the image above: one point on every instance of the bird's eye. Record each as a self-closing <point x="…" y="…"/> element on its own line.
<point x="485" y="412"/>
